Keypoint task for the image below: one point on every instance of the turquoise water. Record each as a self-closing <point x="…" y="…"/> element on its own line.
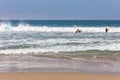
<point x="65" y="23"/>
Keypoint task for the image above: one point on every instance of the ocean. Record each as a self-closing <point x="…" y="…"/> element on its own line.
<point x="53" y="45"/>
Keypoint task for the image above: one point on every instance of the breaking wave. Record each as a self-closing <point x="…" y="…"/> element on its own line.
<point x="26" y="27"/>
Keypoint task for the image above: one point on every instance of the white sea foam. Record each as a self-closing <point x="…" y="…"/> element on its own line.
<point x="26" y="27"/>
<point x="17" y="41"/>
<point x="56" y="45"/>
<point x="57" y="49"/>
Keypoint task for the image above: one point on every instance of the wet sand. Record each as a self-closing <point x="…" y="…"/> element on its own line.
<point x="57" y="76"/>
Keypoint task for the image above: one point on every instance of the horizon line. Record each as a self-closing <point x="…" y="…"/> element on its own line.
<point x="59" y="19"/>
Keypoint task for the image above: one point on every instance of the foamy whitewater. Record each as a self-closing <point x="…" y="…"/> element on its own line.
<point x="53" y="45"/>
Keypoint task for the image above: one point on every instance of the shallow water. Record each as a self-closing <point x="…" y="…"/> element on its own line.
<point x="45" y="64"/>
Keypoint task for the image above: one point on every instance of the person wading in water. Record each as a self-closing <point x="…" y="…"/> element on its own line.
<point x="77" y="31"/>
<point x="106" y="30"/>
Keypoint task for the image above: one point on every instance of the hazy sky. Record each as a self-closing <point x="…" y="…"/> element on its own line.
<point x="60" y="9"/>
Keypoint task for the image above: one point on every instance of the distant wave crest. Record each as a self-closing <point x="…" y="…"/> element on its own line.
<point x="26" y="27"/>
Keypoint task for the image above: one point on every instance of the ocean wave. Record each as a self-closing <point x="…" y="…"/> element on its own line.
<point x="26" y="27"/>
<point x="86" y="55"/>
<point x="43" y="51"/>
<point x="55" y="47"/>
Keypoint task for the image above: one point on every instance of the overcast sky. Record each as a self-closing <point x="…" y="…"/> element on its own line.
<point x="60" y="9"/>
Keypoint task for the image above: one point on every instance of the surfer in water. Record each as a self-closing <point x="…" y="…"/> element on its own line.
<point x="77" y="31"/>
<point x="106" y="30"/>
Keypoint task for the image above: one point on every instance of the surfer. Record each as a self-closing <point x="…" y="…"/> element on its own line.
<point x="106" y="29"/>
<point x="77" y="31"/>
